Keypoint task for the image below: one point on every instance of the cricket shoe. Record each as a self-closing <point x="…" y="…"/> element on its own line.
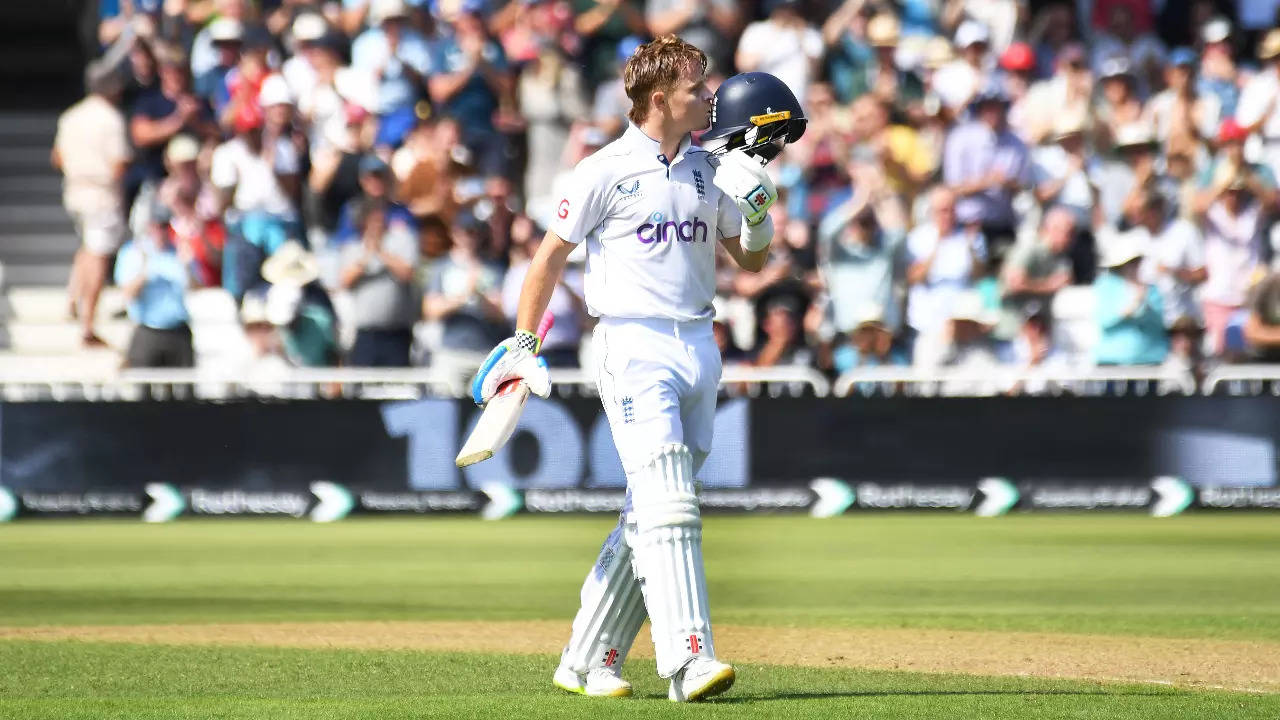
<point x="700" y="679"/>
<point x="596" y="682"/>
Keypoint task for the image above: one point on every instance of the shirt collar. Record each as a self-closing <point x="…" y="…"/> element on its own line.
<point x="638" y="140"/>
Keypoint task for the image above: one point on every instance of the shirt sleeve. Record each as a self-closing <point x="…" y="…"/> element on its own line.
<point x="582" y="208"/>
<point x="286" y="158"/>
<point x="128" y="264"/>
<point x="1254" y="101"/>
<point x="1192" y="247"/>
<point x="728" y="217"/>
<point x="222" y="168"/>
<point x="918" y="245"/>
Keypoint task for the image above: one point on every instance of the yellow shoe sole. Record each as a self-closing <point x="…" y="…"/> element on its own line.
<point x="719" y="683"/>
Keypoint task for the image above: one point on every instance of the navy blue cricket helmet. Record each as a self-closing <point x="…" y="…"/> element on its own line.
<point x="756" y="111"/>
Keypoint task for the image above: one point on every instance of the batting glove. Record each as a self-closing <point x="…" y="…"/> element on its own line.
<point x="744" y="179"/>
<point x="515" y="358"/>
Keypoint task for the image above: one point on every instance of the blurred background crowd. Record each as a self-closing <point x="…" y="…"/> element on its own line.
<point x="982" y="183"/>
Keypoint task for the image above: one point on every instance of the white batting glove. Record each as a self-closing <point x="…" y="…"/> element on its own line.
<point x="744" y="179"/>
<point x="515" y="358"/>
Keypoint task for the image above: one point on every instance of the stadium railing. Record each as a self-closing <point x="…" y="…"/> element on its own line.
<point x="965" y="382"/>
<point x="1243" y="379"/>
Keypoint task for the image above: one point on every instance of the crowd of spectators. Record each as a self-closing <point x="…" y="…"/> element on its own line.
<point x="369" y="178"/>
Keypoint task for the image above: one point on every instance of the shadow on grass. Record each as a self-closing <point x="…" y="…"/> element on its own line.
<point x="765" y="697"/>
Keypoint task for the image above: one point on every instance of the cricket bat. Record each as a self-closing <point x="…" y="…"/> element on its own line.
<point x="500" y="415"/>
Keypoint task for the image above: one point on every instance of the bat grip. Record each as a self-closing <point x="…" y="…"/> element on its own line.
<point x="544" y="325"/>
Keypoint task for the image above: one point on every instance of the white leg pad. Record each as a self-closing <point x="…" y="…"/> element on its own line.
<point x="664" y="530"/>
<point x="611" y="613"/>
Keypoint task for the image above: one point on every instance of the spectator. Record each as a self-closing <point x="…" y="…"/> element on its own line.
<point x="1120" y="105"/>
<point x="985" y="165"/>
<point x="161" y="113"/>
<point x="1174" y="263"/>
<point x="153" y="278"/>
<point x="1033" y="352"/>
<point x="335" y="174"/>
<point x="959" y="81"/>
<point x="474" y="82"/>
<point x="204" y="56"/>
<point x="376" y="183"/>
<point x="1233" y="226"/>
<point x="894" y="149"/>
<point x="1037" y="268"/>
<point x="227" y="36"/>
<point x="1018" y="63"/>
<point x="197" y="227"/>
<point x="1130" y="312"/>
<point x="858" y="67"/>
<point x="1181" y="116"/>
<point x="1262" y="328"/>
<point x="783" y="341"/>
<point x="721" y="325"/>
<point x="968" y="346"/>
<point x="1052" y="31"/>
<point x="1125" y="180"/>
<point x="92" y="151"/>
<point x="708" y="24"/>
<point x="1218" y="74"/>
<point x="299" y="309"/>
<point x="465" y="298"/>
<point x="551" y="99"/>
<point x="1259" y="109"/>
<point x="1126" y="38"/>
<point x="610" y="104"/>
<point x="428" y="166"/>
<point x="1068" y="93"/>
<point x="945" y="257"/>
<point x="860" y="258"/>
<point x="783" y="44"/>
<point x="603" y="25"/>
<point x="378" y="272"/>
<point x="1231" y="159"/>
<point x="399" y="61"/>
<point x="869" y="345"/>
<point x="266" y="362"/>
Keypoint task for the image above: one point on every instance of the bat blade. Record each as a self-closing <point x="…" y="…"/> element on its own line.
<point x="495" y="425"/>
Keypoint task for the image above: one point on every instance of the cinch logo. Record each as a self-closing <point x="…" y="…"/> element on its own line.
<point x="686" y="231"/>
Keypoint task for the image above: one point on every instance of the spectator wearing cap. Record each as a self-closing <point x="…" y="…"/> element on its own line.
<point x="474" y="83"/>
<point x="204" y="56"/>
<point x="257" y="178"/>
<point x="161" y="113"/>
<point x="1069" y="92"/>
<point x="551" y="100"/>
<point x="1018" y="66"/>
<point x="1262" y="326"/>
<point x="1259" y="109"/>
<point x="1126" y="37"/>
<point x="944" y="259"/>
<point x="1062" y="172"/>
<point x="1174" y="262"/>
<point x="1218" y="72"/>
<point x="707" y="24"/>
<point x="196" y="225"/>
<point x="1129" y="311"/>
<point x="91" y="149"/>
<point x="1233" y="224"/>
<point x="783" y="44"/>
<point x="859" y="65"/>
<point x="1182" y="117"/>
<point x="378" y="272"/>
<point x="869" y="345"/>
<point x="154" y="276"/>
<point x="399" y="60"/>
<point x="1119" y="102"/>
<point x="959" y="81"/>
<point x="427" y="167"/>
<point x="299" y="308"/>
<point x="1124" y="179"/>
<point x="610" y="104"/>
<point x="315" y="58"/>
<point x="860" y="254"/>
<point x="227" y="37"/>
<point x="1037" y="267"/>
<point x="968" y="344"/>
<point x="377" y="185"/>
<point x="985" y="164"/>
<point x="1230" y="160"/>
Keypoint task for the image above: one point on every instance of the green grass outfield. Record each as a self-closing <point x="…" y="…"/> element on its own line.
<point x="1198" y="576"/>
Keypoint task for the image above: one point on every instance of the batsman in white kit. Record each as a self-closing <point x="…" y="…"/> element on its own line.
<point x="651" y="207"/>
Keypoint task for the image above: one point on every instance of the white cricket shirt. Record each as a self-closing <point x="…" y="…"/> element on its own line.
<point x="651" y="228"/>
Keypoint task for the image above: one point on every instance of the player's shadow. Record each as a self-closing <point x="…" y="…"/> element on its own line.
<point x="766" y="697"/>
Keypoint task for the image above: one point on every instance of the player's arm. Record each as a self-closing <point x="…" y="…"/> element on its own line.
<point x="544" y="274"/>
<point x="749" y="193"/>
<point x="749" y="260"/>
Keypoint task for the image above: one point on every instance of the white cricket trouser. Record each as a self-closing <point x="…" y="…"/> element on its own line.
<point x="658" y="381"/>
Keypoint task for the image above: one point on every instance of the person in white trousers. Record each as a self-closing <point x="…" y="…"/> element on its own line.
<point x="651" y="208"/>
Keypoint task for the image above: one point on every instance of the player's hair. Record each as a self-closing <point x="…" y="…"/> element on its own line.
<point x="658" y="65"/>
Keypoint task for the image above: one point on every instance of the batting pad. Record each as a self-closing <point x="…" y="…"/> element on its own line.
<point x="665" y="534"/>
<point x="612" y="610"/>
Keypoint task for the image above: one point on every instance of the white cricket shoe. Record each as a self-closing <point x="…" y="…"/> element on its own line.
<point x="700" y="679"/>
<point x="596" y="682"/>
